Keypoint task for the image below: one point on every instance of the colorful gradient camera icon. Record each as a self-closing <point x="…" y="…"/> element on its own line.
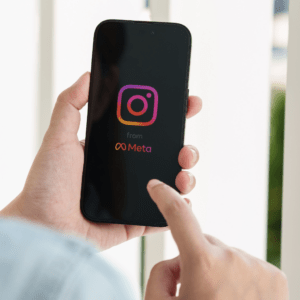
<point x="149" y="92"/>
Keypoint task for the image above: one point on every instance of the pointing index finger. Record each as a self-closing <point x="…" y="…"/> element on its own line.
<point x="183" y="224"/>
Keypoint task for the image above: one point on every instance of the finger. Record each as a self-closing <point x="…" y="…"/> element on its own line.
<point x="185" y="182"/>
<point x="180" y="218"/>
<point x="163" y="280"/>
<point x="188" y="201"/>
<point x="150" y="230"/>
<point x="65" y="118"/>
<point x="214" y="241"/>
<point x="188" y="157"/>
<point x="194" y="106"/>
<point x="82" y="143"/>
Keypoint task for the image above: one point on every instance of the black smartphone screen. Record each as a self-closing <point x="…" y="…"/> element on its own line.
<point x="136" y="118"/>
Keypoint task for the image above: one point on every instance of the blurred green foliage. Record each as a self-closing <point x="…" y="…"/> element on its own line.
<point x="275" y="176"/>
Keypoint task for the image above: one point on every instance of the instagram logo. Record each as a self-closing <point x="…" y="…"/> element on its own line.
<point x="137" y="93"/>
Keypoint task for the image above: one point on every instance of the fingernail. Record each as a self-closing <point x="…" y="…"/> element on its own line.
<point x="152" y="183"/>
<point x="194" y="154"/>
<point x="188" y="201"/>
<point x="191" y="178"/>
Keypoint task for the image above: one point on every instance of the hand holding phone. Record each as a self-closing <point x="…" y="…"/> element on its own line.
<point x="51" y="195"/>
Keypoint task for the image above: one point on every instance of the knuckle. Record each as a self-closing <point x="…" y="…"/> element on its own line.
<point x="74" y="94"/>
<point x="62" y="96"/>
<point x="230" y="254"/>
<point x="208" y="262"/>
<point x="235" y="260"/>
<point x="213" y="240"/>
<point x="69" y="95"/>
<point x="175" y="206"/>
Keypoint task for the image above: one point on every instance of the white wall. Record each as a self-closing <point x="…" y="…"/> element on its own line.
<point x="290" y="261"/>
<point x="231" y="52"/>
<point x="18" y="84"/>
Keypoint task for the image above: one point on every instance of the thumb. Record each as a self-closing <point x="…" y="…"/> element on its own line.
<point x="65" y="118"/>
<point x="163" y="280"/>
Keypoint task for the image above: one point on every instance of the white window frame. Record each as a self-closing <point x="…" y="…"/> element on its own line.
<point x="45" y="70"/>
<point x="290" y="258"/>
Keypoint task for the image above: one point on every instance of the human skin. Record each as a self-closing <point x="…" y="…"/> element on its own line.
<point x="51" y="195"/>
<point x="207" y="269"/>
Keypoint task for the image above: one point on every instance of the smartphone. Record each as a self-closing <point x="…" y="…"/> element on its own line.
<point x="136" y="118"/>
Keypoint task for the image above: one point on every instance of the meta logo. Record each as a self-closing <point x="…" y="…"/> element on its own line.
<point x="129" y="147"/>
<point x="137" y="93"/>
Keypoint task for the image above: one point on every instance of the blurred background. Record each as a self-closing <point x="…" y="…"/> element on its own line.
<point x="238" y="68"/>
<point x="278" y="87"/>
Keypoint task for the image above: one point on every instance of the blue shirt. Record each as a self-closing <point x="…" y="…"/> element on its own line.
<point x="37" y="263"/>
